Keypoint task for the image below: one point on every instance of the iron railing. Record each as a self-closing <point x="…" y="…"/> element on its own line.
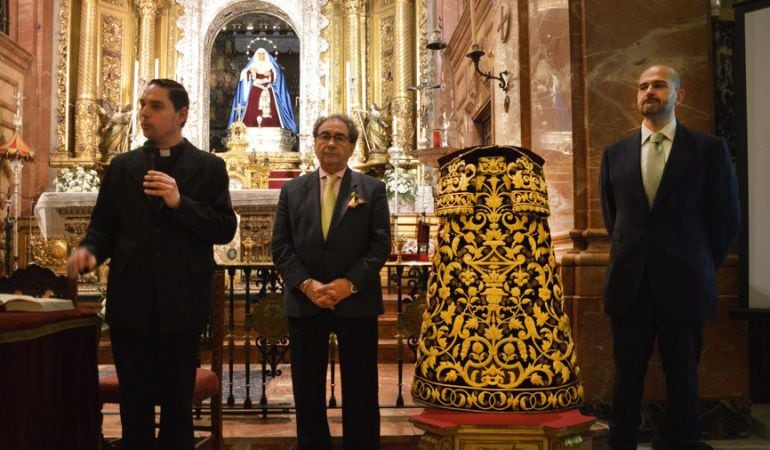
<point x="262" y="331"/>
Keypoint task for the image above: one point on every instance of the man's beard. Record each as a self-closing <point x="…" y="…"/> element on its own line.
<point x="653" y="108"/>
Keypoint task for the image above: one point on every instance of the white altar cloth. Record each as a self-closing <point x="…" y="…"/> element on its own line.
<point x="51" y="222"/>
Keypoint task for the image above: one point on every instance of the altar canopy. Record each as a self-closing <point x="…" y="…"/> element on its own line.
<point x="262" y="95"/>
<point x="494" y="335"/>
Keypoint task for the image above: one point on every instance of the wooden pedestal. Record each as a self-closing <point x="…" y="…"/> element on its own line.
<point x="455" y="430"/>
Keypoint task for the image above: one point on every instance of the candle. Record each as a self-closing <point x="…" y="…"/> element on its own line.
<point x="136" y="82"/>
<point x="436" y="141"/>
<point x="349" y="85"/>
<point x="473" y="23"/>
<point x="395" y="128"/>
<point x="157" y="66"/>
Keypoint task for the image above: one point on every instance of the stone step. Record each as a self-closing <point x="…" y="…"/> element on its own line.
<point x="760" y="417"/>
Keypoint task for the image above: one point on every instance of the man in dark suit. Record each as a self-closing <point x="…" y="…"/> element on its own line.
<point x="670" y="202"/>
<point x="159" y="211"/>
<point x="330" y="240"/>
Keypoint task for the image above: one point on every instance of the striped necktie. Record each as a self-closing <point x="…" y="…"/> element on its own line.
<point x="656" y="162"/>
<point x="327" y="204"/>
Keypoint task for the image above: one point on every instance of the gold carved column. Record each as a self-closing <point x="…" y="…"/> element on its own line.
<point x="403" y="73"/>
<point x="354" y="29"/>
<point x="148" y="9"/>
<point x="86" y="116"/>
<point x="354" y="21"/>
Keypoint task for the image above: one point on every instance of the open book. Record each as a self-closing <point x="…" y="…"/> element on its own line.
<point x="19" y="302"/>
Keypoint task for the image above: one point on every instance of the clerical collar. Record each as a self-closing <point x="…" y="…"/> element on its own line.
<point x="168" y="152"/>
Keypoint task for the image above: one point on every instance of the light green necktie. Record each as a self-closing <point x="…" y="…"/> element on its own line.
<point x="656" y="162"/>
<point x="327" y="203"/>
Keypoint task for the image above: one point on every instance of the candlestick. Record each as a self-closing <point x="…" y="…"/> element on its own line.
<point x="135" y="98"/>
<point x="395" y="190"/>
<point x="474" y="41"/>
<point x="418" y="113"/>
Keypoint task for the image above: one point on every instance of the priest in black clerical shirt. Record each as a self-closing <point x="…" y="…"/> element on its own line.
<point x="159" y="211"/>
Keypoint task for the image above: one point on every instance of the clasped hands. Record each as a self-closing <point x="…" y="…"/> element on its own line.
<point x="327" y="296"/>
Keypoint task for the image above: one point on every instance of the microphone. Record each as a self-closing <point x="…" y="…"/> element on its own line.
<point x="150" y="151"/>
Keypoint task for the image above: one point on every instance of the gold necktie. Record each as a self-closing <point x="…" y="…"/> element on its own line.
<point x="327" y="204"/>
<point x="656" y="162"/>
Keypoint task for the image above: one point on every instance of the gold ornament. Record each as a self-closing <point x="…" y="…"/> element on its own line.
<point x="494" y="334"/>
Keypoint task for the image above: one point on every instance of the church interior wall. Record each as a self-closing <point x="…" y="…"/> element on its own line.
<point x="573" y="65"/>
<point x="25" y="66"/>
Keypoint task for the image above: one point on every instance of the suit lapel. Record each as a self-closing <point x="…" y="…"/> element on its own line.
<point x="310" y="192"/>
<point x="678" y="161"/>
<point x="349" y="183"/>
<point x="186" y="166"/>
<point x="632" y="161"/>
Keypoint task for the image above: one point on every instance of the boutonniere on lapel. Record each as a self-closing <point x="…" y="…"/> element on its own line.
<point x="355" y="200"/>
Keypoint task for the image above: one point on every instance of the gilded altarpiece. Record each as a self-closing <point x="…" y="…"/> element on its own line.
<point x="97" y="75"/>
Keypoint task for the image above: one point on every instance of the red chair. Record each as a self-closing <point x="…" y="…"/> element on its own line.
<point x="208" y="384"/>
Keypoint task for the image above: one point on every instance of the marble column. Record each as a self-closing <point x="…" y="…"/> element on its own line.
<point x="86" y="117"/>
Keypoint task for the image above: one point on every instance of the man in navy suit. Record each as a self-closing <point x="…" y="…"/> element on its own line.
<point x="159" y="211"/>
<point x="669" y="198"/>
<point x="330" y="240"/>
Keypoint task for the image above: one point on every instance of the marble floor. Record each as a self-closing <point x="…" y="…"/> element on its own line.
<point x="248" y="430"/>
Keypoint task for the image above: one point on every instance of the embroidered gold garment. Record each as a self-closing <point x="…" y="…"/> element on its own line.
<point x="494" y="335"/>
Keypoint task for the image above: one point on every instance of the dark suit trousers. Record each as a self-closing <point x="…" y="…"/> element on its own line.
<point x="357" y="339"/>
<point x="156" y="368"/>
<point x="679" y="345"/>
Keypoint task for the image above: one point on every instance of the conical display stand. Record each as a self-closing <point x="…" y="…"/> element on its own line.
<point x="495" y="337"/>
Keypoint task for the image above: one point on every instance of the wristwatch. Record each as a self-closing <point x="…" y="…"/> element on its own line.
<point x="353" y="288"/>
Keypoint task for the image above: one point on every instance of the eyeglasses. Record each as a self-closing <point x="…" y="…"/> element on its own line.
<point x="326" y="137"/>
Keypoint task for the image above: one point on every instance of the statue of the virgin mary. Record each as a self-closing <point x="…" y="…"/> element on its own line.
<point x="262" y="95"/>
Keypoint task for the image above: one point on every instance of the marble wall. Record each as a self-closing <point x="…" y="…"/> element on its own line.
<point x="550" y="105"/>
<point x="611" y="43"/>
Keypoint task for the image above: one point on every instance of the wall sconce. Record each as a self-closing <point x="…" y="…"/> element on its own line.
<point x="475" y="55"/>
<point x="502" y="79"/>
<point x="436" y="42"/>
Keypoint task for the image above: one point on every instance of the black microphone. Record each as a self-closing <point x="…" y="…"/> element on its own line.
<point x="150" y="152"/>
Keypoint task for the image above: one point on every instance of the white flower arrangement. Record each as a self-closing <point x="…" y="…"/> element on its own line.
<point x="405" y="185"/>
<point x="76" y="179"/>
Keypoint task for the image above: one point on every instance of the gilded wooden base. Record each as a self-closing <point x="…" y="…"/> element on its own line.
<point x="452" y="430"/>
